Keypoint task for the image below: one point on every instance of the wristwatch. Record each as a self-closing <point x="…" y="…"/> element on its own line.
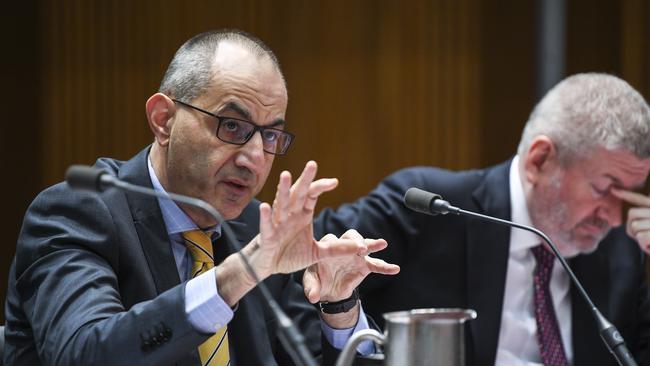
<point x="342" y="306"/>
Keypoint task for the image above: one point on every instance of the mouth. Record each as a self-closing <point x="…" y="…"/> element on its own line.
<point x="594" y="230"/>
<point x="236" y="185"/>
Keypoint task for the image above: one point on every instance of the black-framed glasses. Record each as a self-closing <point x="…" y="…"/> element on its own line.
<point x="239" y="132"/>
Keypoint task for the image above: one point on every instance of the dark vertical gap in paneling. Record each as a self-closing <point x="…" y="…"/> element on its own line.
<point x="645" y="79"/>
<point x="468" y="107"/>
<point x="100" y="67"/>
<point x="635" y="49"/>
<point x="420" y="80"/>
<point x="507" y="71"/>
<point x="119" y="46"/>
<point x="21" y="133"/>
<point x="62" y="90"/>
<point x="447" y="22"/>
<point x="90" y="86"/>
<point x="593" y="36"/>
<point x="436" y="84"/>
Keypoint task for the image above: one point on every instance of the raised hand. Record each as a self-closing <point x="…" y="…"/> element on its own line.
<point x="286" y="241"/>
<point x="638" y="218"/>
<point x="334" y="278"/>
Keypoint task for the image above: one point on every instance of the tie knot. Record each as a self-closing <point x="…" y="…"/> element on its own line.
<point x="543" y="257"/>
<point x="200" y="246"/>
<point x="545" y="260"/>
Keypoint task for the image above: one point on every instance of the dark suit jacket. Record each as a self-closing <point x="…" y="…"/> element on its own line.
<point x="454" y="261"/>
<point x="94" y="282"/>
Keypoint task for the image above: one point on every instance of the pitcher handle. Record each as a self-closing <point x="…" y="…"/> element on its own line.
<point x="347" y="355"/>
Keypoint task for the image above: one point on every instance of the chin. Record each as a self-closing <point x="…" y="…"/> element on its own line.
<point x="230" y="210"/>
<point x="230" y="207"/>
<point x="230" y="213"/>
<point x="584" y="246"/>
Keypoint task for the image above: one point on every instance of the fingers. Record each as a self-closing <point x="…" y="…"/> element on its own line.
<point x="638" y="224"/>
<point x="634" y="198"/>
<point x="329" y="237"/>
<point x="282" y="198"/>
<point x="638" y="227"/>
<point x="316" y="189"/>
<point x="300" y="189"/>
<point x="638" y="218"/>
<point x="375" y="245"/>
<point x="370" y="245"/>
<point x="377" y="265"/>
<point x="358" y="238"/>
<point x="303" y="194"/>
<point x="352" y="234"/>
<point x="338" y="248"/>
<point x="638" y="214"/>
<point x="644" y="241"/>
<point x="266" y="225"/>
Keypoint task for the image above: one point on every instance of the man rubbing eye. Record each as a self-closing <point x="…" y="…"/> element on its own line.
<point x="587" y="137"/>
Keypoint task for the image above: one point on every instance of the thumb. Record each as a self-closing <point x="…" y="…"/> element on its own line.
<point x="312" y="285"/>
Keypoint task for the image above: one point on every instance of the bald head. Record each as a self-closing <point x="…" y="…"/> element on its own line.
<point x="192" y="70"/>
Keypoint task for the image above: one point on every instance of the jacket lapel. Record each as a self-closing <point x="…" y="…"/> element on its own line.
<point x="149" y="225"/>
<point x="585" y="335"/>
<point x="152" y="233"/>
<point x="487" y="251"/>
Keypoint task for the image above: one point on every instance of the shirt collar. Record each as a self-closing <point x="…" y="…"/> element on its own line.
<point x="176" y="220"/>
<point x="519" y="239"/>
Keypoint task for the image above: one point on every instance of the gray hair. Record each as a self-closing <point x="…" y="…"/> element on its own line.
<point x="190" y="72"/>
<point x="590" y="110"/>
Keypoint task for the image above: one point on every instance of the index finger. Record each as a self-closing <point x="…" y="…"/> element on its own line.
<point x="631" y="197"/>
<point x="301" y="186"/>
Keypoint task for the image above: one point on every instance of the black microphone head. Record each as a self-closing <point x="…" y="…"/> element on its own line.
<point x="421" y="201"/>
<point x="85" y="177"/>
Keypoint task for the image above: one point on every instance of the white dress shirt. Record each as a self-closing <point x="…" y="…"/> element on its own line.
<point x="517" y="336"/>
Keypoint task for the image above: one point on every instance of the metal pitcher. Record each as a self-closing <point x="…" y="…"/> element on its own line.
<point x="431" y="337"/>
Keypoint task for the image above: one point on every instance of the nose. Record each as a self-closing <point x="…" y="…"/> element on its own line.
<point x="251" y="153"/>
<point x="611" y="210"/>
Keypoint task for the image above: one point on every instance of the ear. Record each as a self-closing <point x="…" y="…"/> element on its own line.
<point x="540" y="158"/>
<point x="160" y="112"/>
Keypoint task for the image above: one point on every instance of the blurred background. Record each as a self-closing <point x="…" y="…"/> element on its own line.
<point x="374" y="85"/>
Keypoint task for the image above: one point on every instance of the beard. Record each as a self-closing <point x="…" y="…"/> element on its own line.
<point x="550" y="212"/>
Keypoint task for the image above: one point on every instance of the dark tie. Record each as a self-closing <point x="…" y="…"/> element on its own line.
<point x="214" y="351"/>
<point x="548" y="331"/>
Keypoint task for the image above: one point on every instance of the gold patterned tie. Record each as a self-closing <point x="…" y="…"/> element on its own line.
<point x="214" y="351"/>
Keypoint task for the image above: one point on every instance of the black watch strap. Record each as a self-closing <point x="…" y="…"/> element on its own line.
<point x="342" y="306"/>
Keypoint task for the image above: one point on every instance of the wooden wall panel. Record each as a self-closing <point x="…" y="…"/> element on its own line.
<point x="374" y="85"/>
<point x="366" y="79"/>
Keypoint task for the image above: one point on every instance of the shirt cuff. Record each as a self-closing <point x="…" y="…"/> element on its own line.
<point x="339" y="337"/>
<point x="205" y="309"/>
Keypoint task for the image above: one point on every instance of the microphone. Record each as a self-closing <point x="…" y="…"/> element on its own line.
<point x="97" y="180"/>
<point x="432" y="204"/>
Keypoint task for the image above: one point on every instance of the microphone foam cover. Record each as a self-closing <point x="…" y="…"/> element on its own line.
<point x="420" y="201"/>
<point x="84" y="177"/>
